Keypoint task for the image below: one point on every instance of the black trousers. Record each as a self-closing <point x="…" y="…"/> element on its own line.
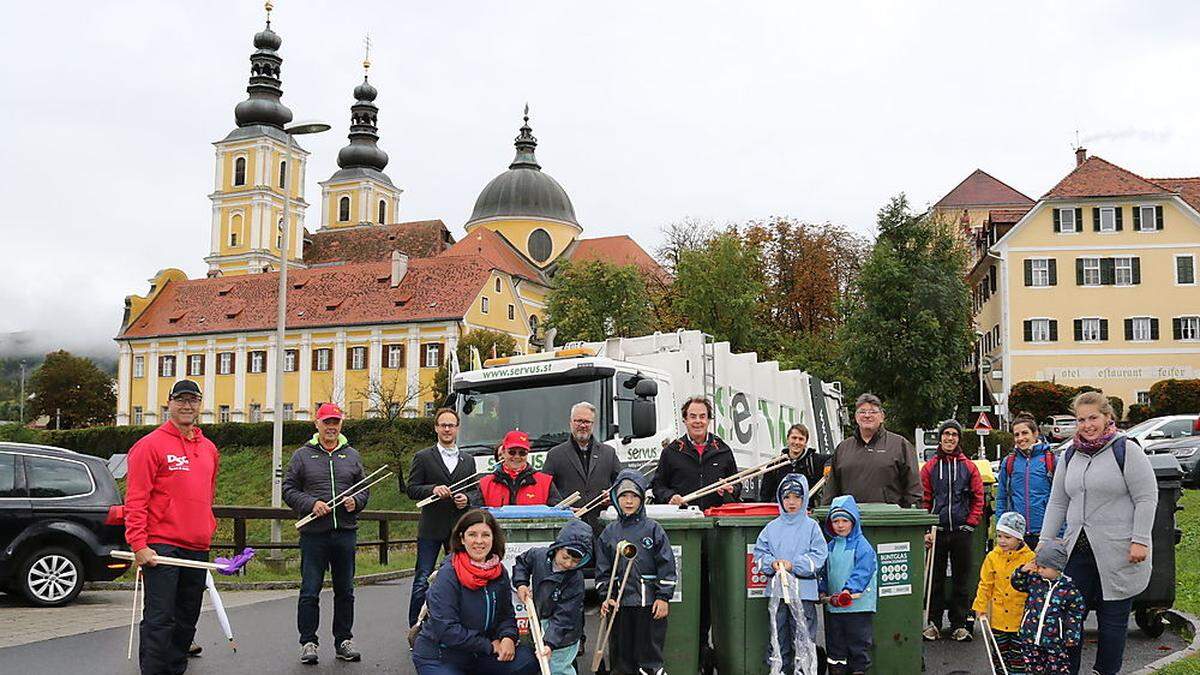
<point x="169" y="612"/>
<point x="848" y="640"/>
<point x="636" y="643"/>
<point x="320" y="551"/>
<point x="955" y="546"/>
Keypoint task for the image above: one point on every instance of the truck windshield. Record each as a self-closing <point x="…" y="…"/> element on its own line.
<point x="543" y="411"/>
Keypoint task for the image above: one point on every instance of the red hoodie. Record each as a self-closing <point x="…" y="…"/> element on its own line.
<point x="169" y="490"/>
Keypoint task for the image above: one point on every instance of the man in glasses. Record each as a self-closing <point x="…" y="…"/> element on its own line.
<point x="583" y="464"/>
<point x="172" y="478"/>
<point x="874" y="465"/>
<point x="514" y="481"/>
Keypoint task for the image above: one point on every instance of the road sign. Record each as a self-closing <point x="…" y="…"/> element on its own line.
<point x="981" y="408"/>
<point x="983" y="425"/>
<point x="985" y="367"/>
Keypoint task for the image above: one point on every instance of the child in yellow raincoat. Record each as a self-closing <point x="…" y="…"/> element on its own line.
<point x="996" y="592"/>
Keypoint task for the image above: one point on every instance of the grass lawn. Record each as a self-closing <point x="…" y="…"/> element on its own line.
<point x="1187" y="572"/>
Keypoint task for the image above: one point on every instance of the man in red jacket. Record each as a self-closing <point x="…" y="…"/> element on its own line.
<point x="172" y="478"/>
<point x="514" y="481"/>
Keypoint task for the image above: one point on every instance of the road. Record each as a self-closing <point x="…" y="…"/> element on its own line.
<point x="265" y="626"/>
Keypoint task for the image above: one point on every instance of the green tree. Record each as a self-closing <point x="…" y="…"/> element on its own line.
<point x="73" y="387"/>
<point x="594" y="300"/>
<point x="719" y="289"/>
<point x="488" y="342"/>
<point x="1040" y="399"/>
<point x="908" y="332"/>
<point x="1175" y="397"/>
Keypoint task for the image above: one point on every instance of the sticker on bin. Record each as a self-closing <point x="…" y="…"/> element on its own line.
<point x="894" y="569"/>
<point x="511" y="551"/>
<point x="756" y="581"/>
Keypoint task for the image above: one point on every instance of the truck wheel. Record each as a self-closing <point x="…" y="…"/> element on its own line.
<point x="1150" y="621"/>
<point x="51" y="577"/>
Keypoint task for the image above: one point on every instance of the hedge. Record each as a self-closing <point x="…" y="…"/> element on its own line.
<point x="1175" y="397"/>
<point x="970" y="443"/>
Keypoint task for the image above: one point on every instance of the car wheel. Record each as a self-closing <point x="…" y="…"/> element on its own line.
<point x="51" y="577"/>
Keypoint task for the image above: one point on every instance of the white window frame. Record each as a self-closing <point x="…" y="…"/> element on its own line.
<point x="497" y="284"/>
<point x="1142" y="397"/>
<point x="483" y="305"/>
<point x="395" y="356"/>
<point x="321" y="360"/>
<point x="1062" y="221"/>
<point x="1194" y="323"/>
<point x="358" y="358"/>
<point x="1111" y="211"/>
<point x="1087" y="268"/>
<point x="223" y="414"/>
<point x="1175" y="268"/>
<point x="139" y="417"/>
<point x="1122" y="264"/>
<point x="289" y="412"/>
<point x="255" y="412"/>
<point x="258" y="361"/>
<point x="139" y="366"/>
<point x="225" y="363"/>
<point x="433" y="355"/>
<point x="1039" y="329"/>
<point x="1142" y="324"/>
<point x="1039" y="277"/>
<point x="290" y="359"/>
<point x="166" y="366"/>
<point x="1143" y="220"/>
<point x="1086" y="335"/>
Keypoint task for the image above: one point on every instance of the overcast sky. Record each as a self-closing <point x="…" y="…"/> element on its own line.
<point x="646" y="112"/>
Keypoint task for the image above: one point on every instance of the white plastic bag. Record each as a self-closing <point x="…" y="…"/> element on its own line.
<point x="804" y="650"/>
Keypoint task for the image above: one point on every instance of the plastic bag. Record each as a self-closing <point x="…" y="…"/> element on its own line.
<point x="804" y="650"/>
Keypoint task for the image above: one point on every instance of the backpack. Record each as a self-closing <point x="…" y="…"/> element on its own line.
<point x="1118" y="448"/>
<point x="1010" y="463"/>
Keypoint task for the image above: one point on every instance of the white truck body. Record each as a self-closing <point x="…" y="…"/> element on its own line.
<point x="755" y="402"/>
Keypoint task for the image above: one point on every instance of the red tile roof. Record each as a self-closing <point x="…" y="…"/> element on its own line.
<point x="618" y="250"/>
<point x="1006" y="216"/>
<point x="343" y="295"/>
<point x="1096" y="177"/>
<point x="374" y="243"/>
<point x="982" y="189"/>
<point x="1188" y="188"/>
<point x="494" y="248"/>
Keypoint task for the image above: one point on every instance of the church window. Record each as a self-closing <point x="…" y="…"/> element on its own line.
<point x="283" y="174"/>
<point x="239" y="171"/>
<point x="483" y="305"/>
<point x="540" y="245"/>
<point x="382" y="212"/>
<point x="512" y="312"/>
<point x="533" y="323"/>
<point x="497" y="284"/>
<point x="235" y="230"/>
<point x="344" y="210"/>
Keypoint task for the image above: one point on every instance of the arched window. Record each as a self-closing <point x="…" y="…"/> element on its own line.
<point x="533" y="324"/>
<point x="279" y="235"/>
<point x="235" y="230"/>
<point x="283" y="174"/>
<point x="239" y="171"/>
<point x="344" y="210"/>
<point x="382" y="212"/>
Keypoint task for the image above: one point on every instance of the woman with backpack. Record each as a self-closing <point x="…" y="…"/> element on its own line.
<point x="1026" y="475"/>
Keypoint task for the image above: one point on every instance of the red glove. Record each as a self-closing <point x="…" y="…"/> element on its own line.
<point x="842" y="599"/>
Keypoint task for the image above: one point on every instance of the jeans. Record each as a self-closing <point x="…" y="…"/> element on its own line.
<point x="427" y="553"/>
<point x="849" y="637"/>
<point x="332" y="550"/>
<point x="957" y="547"/>
<point x="1111" y="615"/>
<point x="562" y="660"/>
<point x="524" y="663"/>
<point x="171" y="607"/>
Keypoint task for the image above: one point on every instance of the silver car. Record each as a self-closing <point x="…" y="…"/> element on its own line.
<point x="1058" y="427"/>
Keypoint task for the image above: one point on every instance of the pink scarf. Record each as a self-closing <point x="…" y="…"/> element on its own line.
<point x="1092" y="447"/>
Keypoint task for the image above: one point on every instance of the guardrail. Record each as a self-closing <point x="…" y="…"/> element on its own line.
<point x="240" y="514"/>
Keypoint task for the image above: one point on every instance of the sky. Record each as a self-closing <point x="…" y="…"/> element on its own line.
<point x="647" y="113"/>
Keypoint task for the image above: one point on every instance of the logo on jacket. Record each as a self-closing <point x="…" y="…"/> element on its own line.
<point x="556" y="595"/>
<point x="177" y="463"/>
<point x="648" y="543"/>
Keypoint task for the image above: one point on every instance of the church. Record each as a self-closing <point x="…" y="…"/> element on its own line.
<point x="374" y="304"/>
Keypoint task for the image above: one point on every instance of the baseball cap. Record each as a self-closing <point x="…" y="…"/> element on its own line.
<point x="516" y="439"/>
<point x="329" y="411"/>
<point x="185" y="388"/>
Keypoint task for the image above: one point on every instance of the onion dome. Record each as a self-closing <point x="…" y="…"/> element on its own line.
<point x="263" y="106"/>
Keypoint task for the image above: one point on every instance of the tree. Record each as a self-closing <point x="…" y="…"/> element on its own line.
<point x="489" y="343"/>
<point x="388" y="397"/>
<point x="72" y="390"/>
<point x="719" y="289"/>
<point x="1040" y="399"/>
<point x="908" y="332"/>
<point x="1175" y="397"/>
<point x="595" y="300"/>
<point x="688" y="234"/>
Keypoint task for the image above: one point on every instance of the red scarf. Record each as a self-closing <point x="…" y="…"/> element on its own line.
<point x="475" y="575"/>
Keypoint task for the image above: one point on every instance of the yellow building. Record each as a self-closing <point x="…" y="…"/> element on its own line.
<point x="1095" y="284"/>
<point x="374" y="305"/>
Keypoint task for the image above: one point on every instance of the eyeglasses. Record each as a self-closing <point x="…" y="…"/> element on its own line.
<point x="868" y="413"/>
<point x="513" y="452"/>
<point x="186" y="400"/>
<point x="446" y="425"/>
<point x="583" y="423"/>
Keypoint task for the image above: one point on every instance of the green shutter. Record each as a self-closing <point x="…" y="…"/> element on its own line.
<point x="1137" y="218"/>
<point x="1028" y="272"/>
<point x="1028" y="325"/>
<point x="1108" y="271"/>
<point x="1103" y="329"/>
<point x="1153" y="329"/>
<point x="1177" y="328"/>
<point x="1079" y="219"/>
<point x="1158" y="218"/>
<point x="1117" y="213"/>
<point x="1095" y="218"/>
<point x="1053" y="272"/>
<point x="1079" y="330"/>
<point x="1079" y="271"/>
<point x="1054" y="330"/>
<point x="1128" y="329"/>
<point x="1136" y="265"/>
<point x="1057" y="221"/>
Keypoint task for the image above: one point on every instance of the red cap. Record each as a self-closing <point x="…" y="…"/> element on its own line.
<point x="329" y="411"/>
<point x="516" y="439"/>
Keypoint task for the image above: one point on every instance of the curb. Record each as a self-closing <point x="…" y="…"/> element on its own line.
<point x="1181" y="622"/>
<point x="363" y="580"/>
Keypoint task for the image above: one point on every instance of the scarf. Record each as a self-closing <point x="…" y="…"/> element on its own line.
<point x="475" y="575"/>
<point x="1092" y="447"/>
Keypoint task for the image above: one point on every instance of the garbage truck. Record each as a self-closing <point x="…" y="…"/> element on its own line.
<point x="638" y="385"/>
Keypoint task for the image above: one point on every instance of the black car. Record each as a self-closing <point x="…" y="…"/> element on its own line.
<point x="1187" y="451"/>
<point x="60" y="516"/>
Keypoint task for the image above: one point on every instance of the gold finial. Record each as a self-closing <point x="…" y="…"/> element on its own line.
<point x="367" y="52"/>
<point x="268" y="5"/>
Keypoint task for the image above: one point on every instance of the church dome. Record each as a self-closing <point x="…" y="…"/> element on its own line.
<point x="524" y="190"/>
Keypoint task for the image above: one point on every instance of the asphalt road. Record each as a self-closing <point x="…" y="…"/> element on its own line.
<point x="266" y="635"/>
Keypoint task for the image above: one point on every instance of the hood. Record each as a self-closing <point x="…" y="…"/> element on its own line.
<point x="792" y="482"/>
<point x="575" y="534"/>
<point x="639" y="481"/>
<point x="315" y="442"/>
<point x="173" y="430"/>
<point x="845" y="505"/>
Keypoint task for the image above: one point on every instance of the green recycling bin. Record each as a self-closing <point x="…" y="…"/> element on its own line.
<point x="685" y="530"/>
<point x="898" y="536"/>
<point x="527" y="527"/>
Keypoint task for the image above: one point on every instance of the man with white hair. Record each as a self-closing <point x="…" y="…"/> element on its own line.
<point x="582" y="464"/>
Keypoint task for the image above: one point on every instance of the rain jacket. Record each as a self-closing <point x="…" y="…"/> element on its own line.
<point x="169" y="490"/>
<point x="682" y="469"/>
<point x="653" y="574"/>
<point x="462" y="622"/>
<point x="794" y="537"/>
<point x="995" y="586"/>
<point x="953" y="490"/>
<point x="1027" y="489"/>
<point x="1054" y="610"/>
<point x="316" y="474"/>
<point x="852" y="561"/>
<point x="557" y="594"/>
<point x="811" y="464"/>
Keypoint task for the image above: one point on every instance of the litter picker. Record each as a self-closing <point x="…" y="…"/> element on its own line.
<point x="137" y="584"/>
<point x="357" y="487"/>
<point x="929" y="558"/>
<point x="571" y="499"/>
<point x="627" y="551"/>
<point x="739" y="477"/>
<point x="535" y="632"/>
<point x="989" y="641"/>
<point x="466" y="483"/>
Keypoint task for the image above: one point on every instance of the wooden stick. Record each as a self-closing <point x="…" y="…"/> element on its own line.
<point x="929" y="578"/>
<point x="166" y="560"/>
<point x="571" y="499"/>
<point x="739" y="477"/>
<point x="535" y="631"/>
<point x="137" y="578"/>
<point x="787" y="590"/>
<point x="333" y="503"/>
<point x="816" y="488"/>
<point x="602" y="642"/>
<point x="599" y="499"/>
<point x="989" y="641"/>
<point x="456" y="488"/>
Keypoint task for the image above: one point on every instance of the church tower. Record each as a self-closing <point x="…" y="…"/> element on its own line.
<point x="359" y="192"/>
<point x="248" y="198"/>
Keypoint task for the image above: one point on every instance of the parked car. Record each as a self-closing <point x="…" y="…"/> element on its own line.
<point x="60" y="516"/>
<point x="1058" y="427"/>
<point x="1187" y="451"/>
<point x="1165" y="428"/>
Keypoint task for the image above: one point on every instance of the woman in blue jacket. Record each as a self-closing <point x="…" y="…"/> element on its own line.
<point x="1026" y="475"/>
<point x="471" y="627"/>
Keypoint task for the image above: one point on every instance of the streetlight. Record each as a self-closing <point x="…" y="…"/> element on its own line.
<point x="292" y="130"/>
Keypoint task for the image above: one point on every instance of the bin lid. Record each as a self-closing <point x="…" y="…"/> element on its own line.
<point x="985" y="471"/>
<point x="667" y="515"/>
<point x="540" y="511"/>
<point x="746" y="509"/>
<point x="885" y="514"/>
<point x="1166" y="466"/>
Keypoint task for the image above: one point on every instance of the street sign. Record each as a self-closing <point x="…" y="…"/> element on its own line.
<point x="981" y="408"/>
<point x="985" y="367"/>
<point x="983" y="425"/>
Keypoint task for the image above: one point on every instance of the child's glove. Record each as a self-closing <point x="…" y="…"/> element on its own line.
<point x="842" y="599"/>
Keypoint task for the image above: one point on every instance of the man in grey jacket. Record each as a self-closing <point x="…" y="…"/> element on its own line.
<point x="319" y="471"/>
<point x="874" y="465"/>
<point x="582" y="464"/>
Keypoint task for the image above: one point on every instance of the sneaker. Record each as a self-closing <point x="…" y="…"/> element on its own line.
<point x="194" y="650"/>
<point x="308" y="653"/>
<point x="346" y="652"/>
<point x="931" y="633"/>
<point x="962" y="635"/>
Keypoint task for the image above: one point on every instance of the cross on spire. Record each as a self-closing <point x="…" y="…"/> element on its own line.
<point x="366" y="52"/>
<point x="268" y="5"/>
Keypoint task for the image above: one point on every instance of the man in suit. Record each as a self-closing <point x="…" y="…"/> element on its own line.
<point x="433" y="471"/>
<point x="583" y="464"/>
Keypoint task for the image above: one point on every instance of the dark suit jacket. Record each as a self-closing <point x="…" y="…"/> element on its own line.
<point x="563" y="463"/>
<point x="427" y="472"/>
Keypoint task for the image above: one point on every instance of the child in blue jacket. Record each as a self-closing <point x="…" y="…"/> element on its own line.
<point x="1054" y="609"/>
<point x="551" y="578"/>
<point x="640" y="628"/>
<point x="1025" y="476"/>
<point x="792" y="544"/>
<point x="848" y="586"/>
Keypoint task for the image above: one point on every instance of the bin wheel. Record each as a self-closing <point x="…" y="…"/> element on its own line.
<point x="1150" y="621"/>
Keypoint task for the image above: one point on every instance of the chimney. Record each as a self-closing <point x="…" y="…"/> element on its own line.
<point x="1080" y="155"/>
<point x="399" y="267"/>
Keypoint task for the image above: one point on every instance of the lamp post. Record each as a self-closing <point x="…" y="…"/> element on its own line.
<point x="292" y="130"/>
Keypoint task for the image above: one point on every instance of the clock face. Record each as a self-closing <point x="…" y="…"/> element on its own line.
<point x="540" y="245"/>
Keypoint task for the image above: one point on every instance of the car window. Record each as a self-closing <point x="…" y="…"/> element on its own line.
<point x="56" y="478"/>
<point x="1140" y="428"/>
<point x="8" y="476"/>
<point x="1177" y="428"/>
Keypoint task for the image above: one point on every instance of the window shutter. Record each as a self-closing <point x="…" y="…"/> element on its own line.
<point x="1136" y="266"/>
<point x="1128" y="329"/>
<point x="991" y="279"/>
<point x="1057" y="221"/>
<point x="1079" y="330"/>
<point x="1158" y="218"/>
<point x="1103" y="329"/>
<point x="1095" y="219"/>
<point x="203" y="365"/>
<point x="1054" y="330"/>
<point x="1108" y="271"/>
<point x="1079" y="219"/>
<point x="1177" y="328"/>
<point x="1118" y="211"/>
<point x="424" y="354"/>
<point x="1137" y="218"/>
<point x="1028" y="272"/>
<point x="1028" y="325"/>
<point x="1053" y="267"/>
<point x="1153" y="329"/>
<point x="1079" y="271"/>
<point x="314" y="358"/>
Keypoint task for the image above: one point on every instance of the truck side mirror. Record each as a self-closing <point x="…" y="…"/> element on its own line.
<point x="642" y="417"/>
<point x="646" y="388"/>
